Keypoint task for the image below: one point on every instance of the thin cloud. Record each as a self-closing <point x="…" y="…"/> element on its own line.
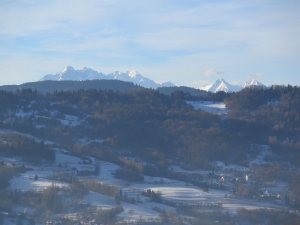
<point x="212" y="72"/>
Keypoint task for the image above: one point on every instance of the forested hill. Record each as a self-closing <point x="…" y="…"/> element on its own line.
<point x="115" y="85"/>
<point x="158" y="127"/>
<point x="191" y="91"/>
<point x="51" y="86"/>
<point x="269" y="116"/>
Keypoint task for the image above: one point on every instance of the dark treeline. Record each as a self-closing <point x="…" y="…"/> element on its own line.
<point x="70" y="85"/>
<point x="182" y="89"/>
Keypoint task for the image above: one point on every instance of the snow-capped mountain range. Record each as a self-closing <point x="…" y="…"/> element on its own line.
<point x="222" y="85"/>
<point x="69" y="73"/>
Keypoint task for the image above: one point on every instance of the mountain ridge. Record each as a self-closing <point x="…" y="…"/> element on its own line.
<point x="70" y="85"/>
<point x="69" y="73"/>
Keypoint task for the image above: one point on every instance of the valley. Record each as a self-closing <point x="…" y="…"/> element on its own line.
<point x="140" y="157"/>
<point x="174" y="193"/>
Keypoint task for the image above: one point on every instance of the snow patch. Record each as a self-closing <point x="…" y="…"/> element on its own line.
<point x="209" y="106"/>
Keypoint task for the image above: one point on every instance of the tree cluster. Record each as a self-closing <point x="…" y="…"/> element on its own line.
<point x="154" y="196"/>
<point x="26" y="147"/>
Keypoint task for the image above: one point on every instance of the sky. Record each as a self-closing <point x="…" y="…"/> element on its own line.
<point x="190" y="43"/>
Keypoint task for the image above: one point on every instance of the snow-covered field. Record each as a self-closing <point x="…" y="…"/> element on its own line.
<point x="209" y="106"/>
<point x="101" y="201"/>
<point x="66" y="120"/>
<point x="26" y="181"/>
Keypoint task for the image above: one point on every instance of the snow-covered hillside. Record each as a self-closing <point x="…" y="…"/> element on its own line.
<point x="69" y="73"/>
<point x="173" y="192"/>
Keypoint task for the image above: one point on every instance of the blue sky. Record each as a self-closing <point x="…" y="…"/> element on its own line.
<point x="190" y="43"/>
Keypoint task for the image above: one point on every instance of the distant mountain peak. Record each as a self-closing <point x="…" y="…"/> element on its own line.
<point x="132" y="73"/>
<point x="222" y="85"/>
<point x="168" y="84"/>
<point x="251" y="83"/>
<point x="69" y="73"/>
<point x="67" y="68"/>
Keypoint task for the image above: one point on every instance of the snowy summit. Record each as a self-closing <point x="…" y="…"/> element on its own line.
<point x="69" y="73"/>
<point x="222" y="85"/>
<point x="252" y="83"/>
